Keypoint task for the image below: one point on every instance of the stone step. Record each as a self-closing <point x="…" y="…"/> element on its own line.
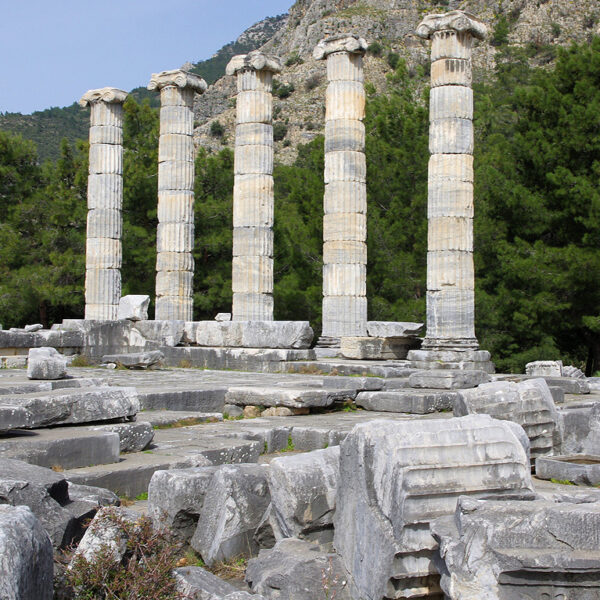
<point x="300" y="397"/>
<point x="201" y="398"/>
<point x="366" y="368"/>
<point x="412" y="401"/>
<point x="61" y="447"/>
<point x="177" y="418"/>
<point x="20" y="385"/>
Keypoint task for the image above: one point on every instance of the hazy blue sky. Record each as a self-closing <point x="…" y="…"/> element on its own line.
<point x="55" y="50"/>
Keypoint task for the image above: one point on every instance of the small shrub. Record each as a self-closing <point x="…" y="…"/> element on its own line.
<point x="375" y="49"/>
<point x="500" y="36"/>
<point x="216" y="129"/>
<point x="80" y="361"/>
<point x="309" y="126"/>
<point x="279" y="131"/>
<point x="293" y="59"/>
<point x="555" y="28"/>
<point x="393" y="59"/>
<point x="282" y="90"/>
<point x="287" y="143"/>
<point x="312" y="82"/>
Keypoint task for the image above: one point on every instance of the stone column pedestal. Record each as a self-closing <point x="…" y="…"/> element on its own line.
<point x="345" y="201"/>
<point x="450" y="272"/>
<point x="175" y="235"/>
<point x="103" y="253"/>
<point x="253" y="196"/>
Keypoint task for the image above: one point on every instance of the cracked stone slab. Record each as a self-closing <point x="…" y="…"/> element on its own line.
<point x="290" y="397"/>
<point x="410" y="401"/>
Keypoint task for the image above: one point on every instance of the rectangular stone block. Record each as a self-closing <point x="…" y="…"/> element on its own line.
<point x="102" y="286"/>
<point x="174" y="283"/>
<point x="254" y="334"/>
<point x="103" y="253"/>
<point x="253" y="80"/>
<point x="343" y="252"/>
<point x="451" y="44"/>
<point x="451" y="102"/>
<point x="106" y="134"/>
<point x="393" y="328"/>
<point x="342" y="66"/>
<point x="105" y="191"/>
<point x="345" y="100"/>
<point x="174" y="237"/>
<point x="450" y="198"/>
<point x="450" y="233"/>
<point x="451" y="136"/>
<point x="253" y="201"/>
<point x="376" y="348"/>
<point x="345" y="197"/>
<point x="104" y="223"/>
<point x="451" y="71"/>
<point x="450" y="269"/>
<point x="174" y="261"/>
<point x="252" y="307"/>
<point x="106" y="114"/>
<point x="345" y="166"/>
<point x="176" y="175"/>
<point x="455" y="167"/>
<point x="106" y="158"/>
<point x="172" y="95"/>
<point x="252" y="241"/>
<point x="101" y="312"/>
<point x="447" y="379"/>
<point x="344" y="316"/>
<point x="253" y="160"/>
<point x="344" y="135"/>
<point x="545" y="368"/>
<point x="414" y="402"/>
<point x="254" y="134"/>
<point x="174" y="308"/>
<point x="350" y="227"/>
<point x="252" y="274"/>
<point x="451" y="314"/>
<point x="254" y="107"/>
<point x="344" y="280"/>
<point x="176" y="207"/>
<point x="175" y="147"/>
<point x="176" y="119"/>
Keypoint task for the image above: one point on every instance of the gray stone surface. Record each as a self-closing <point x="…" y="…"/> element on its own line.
<point x="395" y="478"/>
<point x="303" y="489"/>
<point x="580" y="469"/>
<point x="233" y="507"/>
<point x="62" y="407"/>
<point x="46" y="363"/>
<point x="26" y="563"/>
<point x="96" y="495"/>
<point x="528" y="403"/>
<point x="449" y="379"/>
<point x="544" y="368"/>
<point x="135" y="360"/>
<point x="197" y="583"/>
<point x="393" y="328"/>
<point x="133" y="437"/>
<point x="410" y="401"/>
<point x="290" y="397"/>
<point x="53" y="483"/>
<point x="377" y="348"/>
<point x="175" y="498"/>
<point x="134" y="308"/>
<point x="570" y="385"/>
<point x="298" y="570"/>
<point x="511" y="550"/>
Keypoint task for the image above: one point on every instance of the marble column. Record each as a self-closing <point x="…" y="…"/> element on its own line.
<point x="345" y="201"/>
<point x="253" y="198"/>
<point x="175" y="235"/>
<point x="103" y="249"/>
<point x="450" y="272"/>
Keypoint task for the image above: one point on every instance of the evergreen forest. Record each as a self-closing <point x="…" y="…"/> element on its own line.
<point x="537" y="214"/>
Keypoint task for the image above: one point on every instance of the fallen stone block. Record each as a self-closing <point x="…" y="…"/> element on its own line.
<point x="300" y="397"/>
<point x="524" y="549"/>
<point x="447" y="379"/>
<point x="133" y="308"/>
<point x="46" y="363"/>
<point x="33" y="328"/>
<point x="298" y="570"/>
<point x="417" y="402"/>
<point x="223" y="317"/>
<point x="26" y="561"/>
<point x="573" y="372"/>
<point x="54" y="483"/>
<point x="135" y="360"/>
<point x="545" y="368"/>
<point x="580" y="428"/>
<point x="569" y="385"/>
<point x="233" y="507"/>
<point x="581" y="469"/>
<point x="197" y="583"/>
<point x="387" y="329"/>
<point x="303" y="489"/>
<point x="397" y="477"/>
<point x="133" y="437"/>
<point x="175" y="498"/>
<point x="162" y="333"/>
<point x="14" y="417"/>
<point x="377" y="348"/>
<point x="528" y="403"/>
<point x="93" y="494"/>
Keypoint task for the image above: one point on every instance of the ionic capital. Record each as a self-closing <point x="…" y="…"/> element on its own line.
<point x="344" y="42"/>
<point x="109" y="95"/>
<point x="255" y="61"/>
<point x="179" y="78"/>
<point x="455" y="20"/>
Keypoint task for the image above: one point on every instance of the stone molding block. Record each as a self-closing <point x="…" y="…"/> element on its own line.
<point x="345" y="197"/>
<point x="454" y="20"/>
<point x="545" y="368"/>
<point x="393" y="328"/>
<point x="175" y="147"/>
<point x="376" y="348"/>
<point x="345" y="100"/>
<point x="254" y="61"/>
<point x="451" y="71"/>
<point x="105" y="191"/>
<point x="343" y="42"/>
<point x="345" y="166"/>
<point x="251" y="160"/>
<point x="106" y="95"/>
<point x="451" y="102"/>
<point x="340" y="227"/>
<point x="178" y="78"/>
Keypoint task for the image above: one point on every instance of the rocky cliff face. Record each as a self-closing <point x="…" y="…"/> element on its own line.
<point x="389" y="26"/>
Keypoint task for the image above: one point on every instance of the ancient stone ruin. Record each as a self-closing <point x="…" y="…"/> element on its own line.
<point x="377" y="465"/>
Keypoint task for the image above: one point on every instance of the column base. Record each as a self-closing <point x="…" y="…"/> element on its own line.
<point x="451" y="358"/>
<point x="326" y="341"/>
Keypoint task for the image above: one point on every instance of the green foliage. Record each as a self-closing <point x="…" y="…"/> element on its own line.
<point x="282" y="90"/>
<point x="294" y="59"/>
<point x="279" y="131"/>
<point x="501" y="31"/>
<point x="393" y="59"/>
<point x="375" y="49"/>
<point x="216" y="129"/>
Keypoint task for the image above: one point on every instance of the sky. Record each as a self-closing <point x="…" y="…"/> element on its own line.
<point x="53" y="51"/>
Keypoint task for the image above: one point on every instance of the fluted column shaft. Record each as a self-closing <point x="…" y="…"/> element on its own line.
<point x="105" y="198"/>
<point x="345" y="200"/>
<point x="253" y="195"/>
<point x="175" y="234"/>
<point x="450" y="271"/>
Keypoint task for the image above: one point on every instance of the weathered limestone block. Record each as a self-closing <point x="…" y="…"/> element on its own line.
<point x="176" y="207"/>
<point x="253" y="241"/>
<point x="175" y="498"/>
<point x="377" y="348"/>
<point x="303" y="489"/>
<point x="104" y="223"/>
<point x="345" y="166"/>
<point x="345" y="279"/>
<point x="105" y="191"/>
<point x="255" y="334"/>
<point x="395" y="478"/>
<point x="342" y="313"/>
<point x="46" y="363"/>
<point x="451" y="135"/>
<point x="197" y="583"/>
<point x="134" y="308"/>
<point x="232" y="509"/>
<point x="528" y="403"/>
<point x="133" y="437"/>
<point x="26" y="562"/>
<point x="344" y="227"/>
<point x="524" y="549"/>
<point x="135" y="360"/>
<point x="579" y="469"/>
<point x="174" y="283"/>
<point x="254" y="134"/>
<point x="448" y="379"/>
<point x="344" y="134"/>
<point x="103" y="253"/>
<point x="252" y="201"/>
<point x="345" y="100"/>
<point x="338" y="251"/>
<point x="393" y="329"/>
<point x="291" y="397"/>
<point x="252" y="275"/>
<point x="298" y="570"/>
<point x="100" y="284"/>
<point x="451" y="102"/>
<point x="449" y="269"/>
<point x="175" y="237"/>
<point x="345" y="197"/>
<point x="545" y="368"/>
